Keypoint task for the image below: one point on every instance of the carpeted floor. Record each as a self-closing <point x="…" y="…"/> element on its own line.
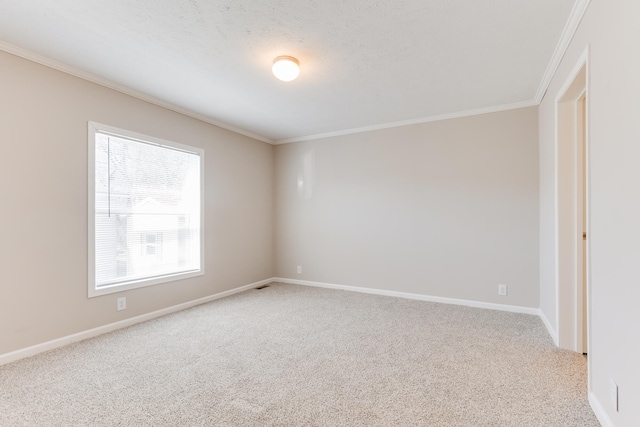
<point x="291" y="355"/>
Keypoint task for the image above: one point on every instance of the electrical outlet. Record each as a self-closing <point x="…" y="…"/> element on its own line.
<point x="299" y="269"/>
<point x="122" y="303"/>
<point x="502" y="290"/>
<point x="613" y="394"/>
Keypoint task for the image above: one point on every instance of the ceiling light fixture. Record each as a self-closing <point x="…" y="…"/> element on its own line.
<point x="286" y="68"/>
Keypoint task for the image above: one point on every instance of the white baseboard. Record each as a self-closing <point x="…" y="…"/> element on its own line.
<point x="60" y="342"/>
<point x="550" y="329"/>
<point x="419" y="297"/>
<point x="598" y="409"/>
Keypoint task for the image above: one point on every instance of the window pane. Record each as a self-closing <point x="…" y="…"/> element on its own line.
<point x="147" y="210"/>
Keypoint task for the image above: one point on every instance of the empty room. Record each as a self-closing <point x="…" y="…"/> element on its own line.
<point x="279" y="213"/>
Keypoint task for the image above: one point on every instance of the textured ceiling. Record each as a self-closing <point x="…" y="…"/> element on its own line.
<point x="363" y="63"/>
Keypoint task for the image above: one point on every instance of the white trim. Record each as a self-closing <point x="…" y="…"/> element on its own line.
<point x="556" y="222"/>
<point x="577" y="13"/>
<point x="80" y="336"/>
<point x="57" y="65"/>
<point x="599" y="411"/>
<point x="582" y="61"/>
<point x="550" y="329"/>
<point x="587" y="165"/>
<point x="68" y="69"/>
<point x="572" y="24"/>
<point x="567" y="94"/>
<point x="439" y="117"/>
<point x="419" y="297"/>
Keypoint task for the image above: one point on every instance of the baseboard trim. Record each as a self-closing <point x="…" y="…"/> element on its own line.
<point x="598" y="409"/>
<point x="550" y="329"/>
<point x="80" y="336"/>
<point x="419" y="297"/>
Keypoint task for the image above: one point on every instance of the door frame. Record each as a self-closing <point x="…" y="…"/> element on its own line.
<point x="570" y="293"/>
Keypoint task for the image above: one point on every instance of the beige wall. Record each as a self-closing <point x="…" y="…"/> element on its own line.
<point x="43" y="193"/>
<point x="447" y="209"/>
<point x="611" y="30"/>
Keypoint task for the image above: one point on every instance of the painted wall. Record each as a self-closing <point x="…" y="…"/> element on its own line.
<point x="43" y="194"/>
<point x="611" y="30"/>
<point x="446" y="209"/>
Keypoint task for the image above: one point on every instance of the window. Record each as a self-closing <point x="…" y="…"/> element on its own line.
<point x="145" y="210"/>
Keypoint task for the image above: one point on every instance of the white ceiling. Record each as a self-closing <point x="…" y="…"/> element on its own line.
<point x="364" y="63"/>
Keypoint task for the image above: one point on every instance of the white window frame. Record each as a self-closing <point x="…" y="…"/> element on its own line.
<point x="94" y="291"/>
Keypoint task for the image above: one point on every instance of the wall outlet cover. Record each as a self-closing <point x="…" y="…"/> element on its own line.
<point x="613" y="390"/>
<point x="502" y="290"/>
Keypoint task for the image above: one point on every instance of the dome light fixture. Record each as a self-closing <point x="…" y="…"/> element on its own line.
<point x="286" y="68"/>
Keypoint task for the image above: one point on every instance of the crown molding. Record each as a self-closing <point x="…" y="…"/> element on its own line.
<point x="568" y="33"/>
<point x="439" y="117"/>
<point x="577" y="13"/>
<point x="57" y="65"/>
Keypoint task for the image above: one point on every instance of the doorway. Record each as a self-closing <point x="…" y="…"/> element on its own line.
<point x="572" y="203"/>
<point x="581" y="217"/>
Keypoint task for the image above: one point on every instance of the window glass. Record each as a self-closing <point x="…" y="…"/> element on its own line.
<point x="146" y="214"/>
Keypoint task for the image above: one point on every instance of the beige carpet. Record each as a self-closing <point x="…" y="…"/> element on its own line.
<point x="297" y="356"/>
